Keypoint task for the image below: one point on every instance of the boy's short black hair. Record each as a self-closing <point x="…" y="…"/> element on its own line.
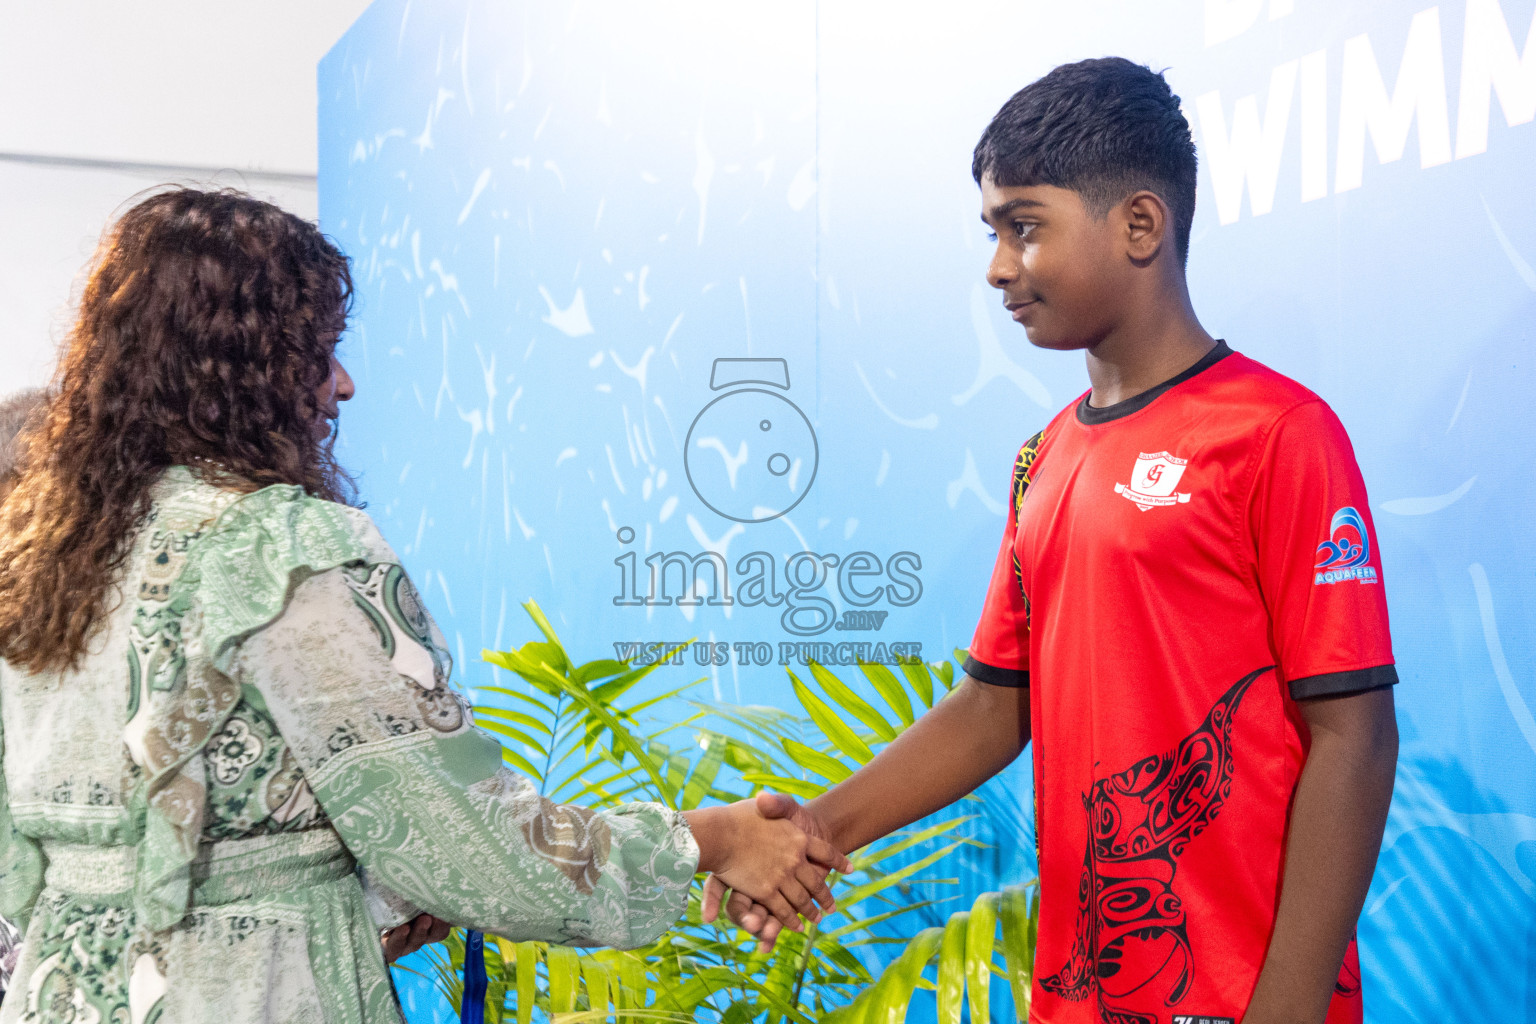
<point x="1103" y="128"/>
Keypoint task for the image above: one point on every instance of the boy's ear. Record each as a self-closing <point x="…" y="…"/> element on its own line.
<point x="1146" y="226"/>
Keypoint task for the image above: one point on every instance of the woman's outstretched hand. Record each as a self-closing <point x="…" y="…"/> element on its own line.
<point x="767" y="858"/>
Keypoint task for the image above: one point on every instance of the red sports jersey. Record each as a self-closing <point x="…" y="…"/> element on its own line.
<point x="1177" y="571"/>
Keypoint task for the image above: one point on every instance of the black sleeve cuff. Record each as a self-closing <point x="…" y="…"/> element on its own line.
<point x="1337" y="684"/>
<point x="1017" y="678"/>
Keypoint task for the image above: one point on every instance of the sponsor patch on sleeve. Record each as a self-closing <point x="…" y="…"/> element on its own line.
<point x="1346" y="552"/>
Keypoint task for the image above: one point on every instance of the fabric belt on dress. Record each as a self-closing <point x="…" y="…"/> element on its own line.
<point x="223" y="872"/>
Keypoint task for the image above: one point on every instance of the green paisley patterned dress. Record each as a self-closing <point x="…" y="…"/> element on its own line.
<point x="258" y="764"/>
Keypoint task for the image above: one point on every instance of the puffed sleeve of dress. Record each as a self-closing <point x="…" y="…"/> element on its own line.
<point x="355" y="674"/>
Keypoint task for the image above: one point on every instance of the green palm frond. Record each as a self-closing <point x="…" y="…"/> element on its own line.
<point x="964" y="955"/>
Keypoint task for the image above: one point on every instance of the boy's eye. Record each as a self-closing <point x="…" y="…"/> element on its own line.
<point x="1021" y="229"/>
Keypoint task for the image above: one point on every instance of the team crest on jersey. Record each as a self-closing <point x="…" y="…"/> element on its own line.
<point x="1153" y="480"/>
<point x="1343" y="556"/>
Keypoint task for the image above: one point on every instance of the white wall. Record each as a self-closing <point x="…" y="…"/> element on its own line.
<point x="100" y="100"/>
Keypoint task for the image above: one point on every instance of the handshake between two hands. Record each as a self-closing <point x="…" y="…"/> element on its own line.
<point x="769" y="854"/>
<point x="771" y="869"/>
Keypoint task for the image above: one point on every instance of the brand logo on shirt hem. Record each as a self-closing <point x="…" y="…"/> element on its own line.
<point x="1153" y="480"/>
<point x="1198" y="1018"/>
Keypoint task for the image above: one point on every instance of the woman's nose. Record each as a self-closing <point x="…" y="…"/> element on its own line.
<point x="345" y="389"/>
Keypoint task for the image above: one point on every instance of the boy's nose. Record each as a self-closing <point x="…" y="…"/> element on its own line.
<point x="1000" y="272"/>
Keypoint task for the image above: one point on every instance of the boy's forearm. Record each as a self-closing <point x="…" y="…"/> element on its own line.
<point x="961" y="742"/>
<point x="1336" y="826"/>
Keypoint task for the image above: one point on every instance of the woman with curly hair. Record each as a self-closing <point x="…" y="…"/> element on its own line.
<point x="221" y="696"/>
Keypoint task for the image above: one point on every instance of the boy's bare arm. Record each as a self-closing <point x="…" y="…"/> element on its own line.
<point x="963" y="741"/>
<point x="1337" y="820"/>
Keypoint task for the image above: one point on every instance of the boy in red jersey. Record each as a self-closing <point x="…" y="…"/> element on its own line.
<point x="1186" y="613"/>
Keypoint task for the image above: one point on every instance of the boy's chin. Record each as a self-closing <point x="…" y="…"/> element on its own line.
<point x="1041" y="336"/>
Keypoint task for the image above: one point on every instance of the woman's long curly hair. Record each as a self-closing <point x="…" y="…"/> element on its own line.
<point x="205" y="329"/>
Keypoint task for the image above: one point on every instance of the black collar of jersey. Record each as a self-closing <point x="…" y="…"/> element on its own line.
<point x="1092" y="415"/>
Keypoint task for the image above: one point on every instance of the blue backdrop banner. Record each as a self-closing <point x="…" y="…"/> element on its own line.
<point x="671" y="317"/>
